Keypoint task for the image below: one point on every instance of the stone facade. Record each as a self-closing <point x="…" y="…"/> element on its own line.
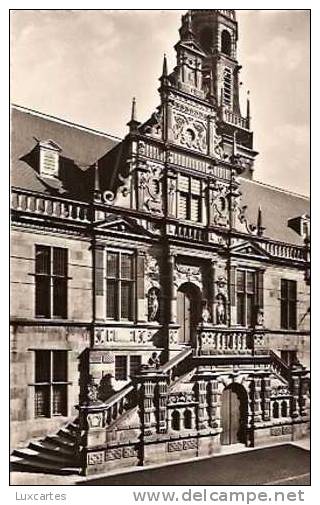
<point x="179" y="310"/>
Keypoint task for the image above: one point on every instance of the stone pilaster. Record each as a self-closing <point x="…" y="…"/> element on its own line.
<point x="99" y="302"/>
<point x="162" y="406"/>
<point x="257" y="399"/>
<point x="295" y="390"/>
<point x="202" y="405"/>
<point x="266" y="393"/>
<point x="214" y="405"/>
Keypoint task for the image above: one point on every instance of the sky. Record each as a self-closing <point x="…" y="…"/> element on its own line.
<point x="85" y="67"/>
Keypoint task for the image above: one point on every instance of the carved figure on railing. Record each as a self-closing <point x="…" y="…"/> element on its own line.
<point x="154" y="360"/>
<point x="221" y="309"/>
<point x="153" y="304"/>
<point x="260" y="317"/>
<point x="92" y="391"/>
<point x="206" y="314"/>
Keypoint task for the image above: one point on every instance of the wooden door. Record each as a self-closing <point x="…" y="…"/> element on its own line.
<point x="232" y="416"/>
<point x="184" y="316"/>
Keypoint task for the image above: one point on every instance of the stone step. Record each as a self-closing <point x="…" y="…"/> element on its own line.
<point x="67" y="434"/>
<point x="46" y="457"/>
<point x="52" y="448"/>
<point x="62" y="442"/>
<point x="35" y="466"/>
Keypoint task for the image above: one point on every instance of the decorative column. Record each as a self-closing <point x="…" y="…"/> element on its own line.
<point x="295" y="391"/>
<point x="257" y="399"/>
<point x="162" y="406"/>
<point x="232" y="316"/>
<point x="172" y="291"/>
<point x="212" y="291"/>
<point x="266" y="393"/>
<point x="214" y="405"/>
<point x="202" y="405"/>
<point x="147" y="379"/>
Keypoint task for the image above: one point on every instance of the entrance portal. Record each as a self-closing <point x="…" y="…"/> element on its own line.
<point x="188" y="311"/>
<point x="234" y="404"/>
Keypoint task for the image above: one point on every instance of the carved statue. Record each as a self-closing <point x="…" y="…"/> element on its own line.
<point x="221" y="310"/>
<point x="154" y="361"/>
<point x="153" y="305"/>
<point x="92" y="391"/>
<point x="260" y="317"/>
<point x="206" y="315"/>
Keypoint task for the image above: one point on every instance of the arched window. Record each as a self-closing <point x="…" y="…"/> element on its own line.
<point x="206" y="39"/>
<point x="275" y="410"/>
<point x="187" y="418"/>
<point x="175" y="420"/>
<point x="226" y="43"/>
<point x="284" y="409"/>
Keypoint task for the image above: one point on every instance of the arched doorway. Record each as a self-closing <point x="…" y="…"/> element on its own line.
<point x="234" y="404"/>
<point x="188" y="311"/>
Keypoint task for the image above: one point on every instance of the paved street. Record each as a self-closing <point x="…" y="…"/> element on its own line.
<point x="281" y="465"/>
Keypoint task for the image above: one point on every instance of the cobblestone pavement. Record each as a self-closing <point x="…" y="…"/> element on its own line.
<point x="287" y="464"/>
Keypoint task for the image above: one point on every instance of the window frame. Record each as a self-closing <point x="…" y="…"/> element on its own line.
<point x="54" y="281"/>
<point x="288" y="304"/>
<point x="50" y="385"/>
<point x="191" y="195"/>
<point x="119" y="281"/>
<point x="246" y="295"/>
<point x="128" y="365"/>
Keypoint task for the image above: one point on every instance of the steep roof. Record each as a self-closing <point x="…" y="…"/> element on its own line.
<point x="278" y="206"/>
<point x="79" y="145"/>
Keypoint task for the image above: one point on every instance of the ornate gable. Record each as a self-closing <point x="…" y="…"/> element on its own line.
<point x="249" y="249"/>
<point x="126" y="225"/>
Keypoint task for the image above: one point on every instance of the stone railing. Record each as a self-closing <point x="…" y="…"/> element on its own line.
<point x="190" y="232"/>
<point x="49" y="206"/>
<point x="284" y="250"/>
<point x="230" y="117"/>
<point x="223" y="342"/>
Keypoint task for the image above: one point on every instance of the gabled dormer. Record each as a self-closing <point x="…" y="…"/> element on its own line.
<point x="49" y="154"/>
<point x="300" y="224"/>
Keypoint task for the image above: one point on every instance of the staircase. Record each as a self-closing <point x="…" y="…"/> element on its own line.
<point x="54" y="454"/>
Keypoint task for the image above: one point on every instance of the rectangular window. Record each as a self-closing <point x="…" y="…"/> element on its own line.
<point x="135" y="364"/>
<point x="51" y="282"/>
<point x="121" y="368"/>
<point x="189" y="199"/>
<point x="288" y="304"/>
<point x="51" y="382"/>
<point x="120" y="286"/>
<point x="289" y="356"/>
<point x="246" y="285"/>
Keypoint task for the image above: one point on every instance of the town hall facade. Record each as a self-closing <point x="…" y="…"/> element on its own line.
<point x="160" y="295"/>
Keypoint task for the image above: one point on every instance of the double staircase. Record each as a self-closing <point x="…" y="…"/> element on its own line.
<point x="60" y="453"/>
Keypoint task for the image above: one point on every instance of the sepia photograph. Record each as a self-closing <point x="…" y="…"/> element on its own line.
<point x="160" y="247"/>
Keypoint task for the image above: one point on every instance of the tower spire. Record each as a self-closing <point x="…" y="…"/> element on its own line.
<point x="248" y="110"/>
<point x="133" y="123"/>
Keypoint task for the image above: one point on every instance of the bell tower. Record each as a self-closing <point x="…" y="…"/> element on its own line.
<point x="216" y="32"/>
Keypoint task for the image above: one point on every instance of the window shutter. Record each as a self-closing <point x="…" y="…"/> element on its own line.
<point x="140" y="276"/>
<point x="99" y="281"/>
<point x="233" y="285"/>
<point x="259" y="289"/>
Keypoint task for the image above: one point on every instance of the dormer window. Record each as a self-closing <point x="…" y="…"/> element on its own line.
<point x="49" y="153"/>
<point x="300" y="224"/>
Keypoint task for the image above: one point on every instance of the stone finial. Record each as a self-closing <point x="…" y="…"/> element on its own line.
<point x="133" y="123"/>
<point x="248" y="109"/>
<point x="260" y="227"/>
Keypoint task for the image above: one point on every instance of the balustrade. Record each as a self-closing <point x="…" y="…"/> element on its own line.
<point x="214" y="342"/>
<point x="190" y="232"/>
<point x="49" y="206"/>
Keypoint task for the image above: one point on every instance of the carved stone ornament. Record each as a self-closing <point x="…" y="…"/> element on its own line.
<point x="219" y="205"/>
<point x="153" y="304"/>
<point x="152" y="271"/>
<point x="150" y="187"/>
<point x="221" y="313"/>
<point x="190" y="133"/>
<point x="181" y="398"/>
<point x="187" y="273"/>
<point x="92" y="392"/>
<point x="280" y="391"/>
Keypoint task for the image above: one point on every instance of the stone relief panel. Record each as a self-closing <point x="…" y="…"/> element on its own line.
<point x="152" y="272"/>
<point x="187" y="273"/>
<point x="189" y="132"/>
<point x="150" y="187"/>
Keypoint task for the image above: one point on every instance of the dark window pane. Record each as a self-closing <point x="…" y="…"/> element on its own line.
<point x="42" y="366"/>
<point x="284" y="289"/>
<point x="60" y="261"/>
<point x="42" y="401"/>
<point x="42" y="296"/>
<point x="241" y="280"/>
<point x="292" y="290"/>
<point x="60" y="366"/>
<point x="112" y="265"/>
<point x="60" y="299"/>
<point x="135" y="364"/>
<point x="126" y="300"/>
<point x="250" y="282"/>
<point x="112" y="299"/>
<point x="59" y="400"/>
<point x="195" y="211"/>
<point x="292" y="315"/>
<point x="121" y="367"/>
<point x="250" y="310"/>
<point x="126" y="266"/>
<point x="240" y="309"/>
<point x="42" y="260"/>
